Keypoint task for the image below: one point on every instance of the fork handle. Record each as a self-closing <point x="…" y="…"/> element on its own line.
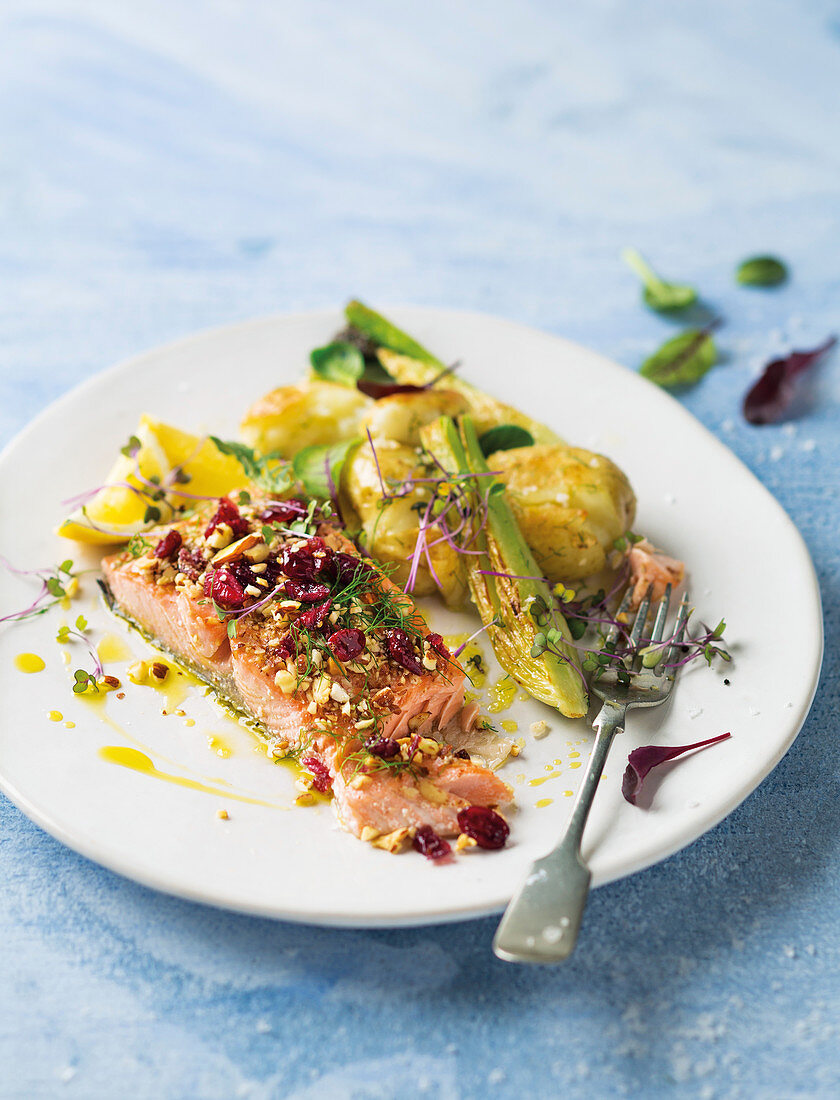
<point x="541" y="923"/>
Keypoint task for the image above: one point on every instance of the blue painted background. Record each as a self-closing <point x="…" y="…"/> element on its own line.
<point x="170" y="166"/>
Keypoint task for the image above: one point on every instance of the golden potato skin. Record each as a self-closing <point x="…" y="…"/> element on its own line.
<point x="570" y="503"/>
<point x="293" y="417"/>
<point x="485" y="410"/>
<point x="389" y="531"/>
<point x="401" y="416"/>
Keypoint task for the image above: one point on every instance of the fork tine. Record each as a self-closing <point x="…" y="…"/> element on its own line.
<point x="612" y="634"/>
<point x="679" y="631"/>
<point x="661" y="616"/>
<point x="641" y="619"/>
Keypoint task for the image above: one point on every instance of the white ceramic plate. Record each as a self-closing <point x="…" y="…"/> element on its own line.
<point x="695" y="499"/>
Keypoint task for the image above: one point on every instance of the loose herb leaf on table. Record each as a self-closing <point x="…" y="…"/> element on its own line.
<point x="682" y="360"/>
<point x="770" y="395"/>
<point x="657" y="293"/>
<point x="761" y="271"/>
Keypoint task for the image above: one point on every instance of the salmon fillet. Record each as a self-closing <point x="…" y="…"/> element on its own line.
<point x="282" y="615"/>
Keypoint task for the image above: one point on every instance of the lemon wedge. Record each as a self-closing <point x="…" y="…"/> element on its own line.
<point x="118" y="510"/>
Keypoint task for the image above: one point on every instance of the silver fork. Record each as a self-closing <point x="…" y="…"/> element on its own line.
<point x="541" y="923"/>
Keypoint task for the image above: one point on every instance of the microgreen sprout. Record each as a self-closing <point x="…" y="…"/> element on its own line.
<point x="83" y="681"/>
<point x="56" y="585"/>
<point x="657" y="293"/>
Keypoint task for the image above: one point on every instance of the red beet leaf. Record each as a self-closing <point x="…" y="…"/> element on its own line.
<point x="640" y="761"/>
<point x="770" y="395"/>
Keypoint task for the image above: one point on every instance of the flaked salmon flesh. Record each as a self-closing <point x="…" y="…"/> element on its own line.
<point x="333" y="661"/>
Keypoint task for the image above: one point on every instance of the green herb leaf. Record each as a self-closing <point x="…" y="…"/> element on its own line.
<point x="65" y="566"/>
<point x="681" y="361"/>
<point x="63" y="634"/>
<point x="151" y="515"/>
<point x="231" y="628"/>
<point x="268" y="533"/>
<point x="244" y="497"/>
<point x="380" y="330"/>
<point x="132" y="447"/>
<point x="318" y="467"/>
<point x="657" y="293"/>
<point x="55" y="587"/>
<point x="339" y="362"/>
<point x="269" y="471"/>
<point x="81" y="623"/>
<point x="504" y="437"/>
<point x="761" y="271"/>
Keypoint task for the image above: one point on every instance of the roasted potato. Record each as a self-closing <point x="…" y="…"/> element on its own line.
<point x="486" y="411"/>
<point x="390" y="527"/>
<point x="313" y="412"/>
<point x="570" y="504"/>
<point x="401" y="416"/>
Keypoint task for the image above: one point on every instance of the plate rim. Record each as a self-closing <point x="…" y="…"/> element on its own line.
<point x="124" y="868"/>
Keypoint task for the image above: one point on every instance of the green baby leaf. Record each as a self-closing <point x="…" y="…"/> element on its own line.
<point x="339" y="362"/>
<point x="761" y="271"/>
<point x="318" y="467"/>
<point x="682" y="360"/>
<point x="504" y="437"/>
<point x="657" y="293"/>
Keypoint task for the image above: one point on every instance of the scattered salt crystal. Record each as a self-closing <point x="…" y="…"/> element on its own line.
<point x="790" y="952"/>
<point x="670" y="498"/>
<point x="728" y="426"/>
<point x="808" y="445"/>
<point x="789" y="430"/>
<point x="754" y="711"/>
<point x="263" y="1027"/>
<point x="451" y="1048"/>
<point x="692" y="805"/>
<point x="776" y="453"/>
<point x="564" y="921"/>
<point x="810" y="949"/>
<point x="552" y="933"/>
<point x="67" y="1074"/>
<point x="530" y="941"/>
<point x="495" y="1076"/>
<point x="695" y="712"/>
<point x="788" y="706"/>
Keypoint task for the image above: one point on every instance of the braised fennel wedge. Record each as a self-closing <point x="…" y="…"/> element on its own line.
<point x="528" y="633"/>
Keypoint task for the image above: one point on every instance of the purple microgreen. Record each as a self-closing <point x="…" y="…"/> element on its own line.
<point x="53" y="588"/>
<point x="65" y="636"/>
<point x="457" y="652"/>
<point x="771" y="394"/>
<point x="642" y="760"/>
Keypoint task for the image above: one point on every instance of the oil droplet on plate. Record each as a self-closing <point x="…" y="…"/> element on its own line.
<point x="113" y="648"/>
<point x="568" y="794"/>
<point x="575" y="764"/>
<point x="219" y="746"/>
<point x="138" y="761"/>
<point x="29" y="662"/>
<point x="69" y="725"/>
<point x="54" y="715"/>
<point x="543" y="802"/>
<point x="509" y="726"/>
<point x="502" y="694"/>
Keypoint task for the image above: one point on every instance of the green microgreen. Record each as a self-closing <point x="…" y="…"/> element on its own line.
<point x="761" y="271"/>
<point x="504" y="437"/>
<point x="682" y="360"/>
<point x="339" y="362"/>
<point x="657" y="293"/>
<point x="54" y="584"/>
<point x="269" y="471"/>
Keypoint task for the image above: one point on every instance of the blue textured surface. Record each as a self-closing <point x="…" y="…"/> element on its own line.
<point x="170" y="166"/>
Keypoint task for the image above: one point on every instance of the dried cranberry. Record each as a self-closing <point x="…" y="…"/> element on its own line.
<point x="462" y="754"/>
<point x="224" y="588"/>
<point x="428" y="843"/>
<point x="306" y="593"/>
<point x="167" y="546"/>
<point x="439" y="646"/>
<point x="301" y="564"/>
<point x="315" y="617"/>
<point x="401" y="651"/>
<point x="385" y="747"/>
<point x="345" y="567"/>
<point x="321" y="778"/>
<point x="227" y="513"/>
<point x="346" y="643"/>
<point x="287" y="646"/>
<point x="191" y="563"/>
<point x="487" y="828"/>
<point x="283" y="511"/>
